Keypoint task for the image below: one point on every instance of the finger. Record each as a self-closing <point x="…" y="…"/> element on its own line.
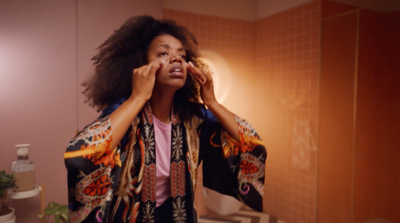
<point x="163" y="62"/>
<point x="153" y="67"/>
<point x="201" y="82"/>
<point x="194" y="69"/>
<point x="192" y="73"/>
<point x="197" y="72"/>
<point x="207" y="75"/>
<point x="140" y="70"/>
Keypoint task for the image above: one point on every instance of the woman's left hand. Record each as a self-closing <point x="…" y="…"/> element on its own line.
<point x="206" y="84"/>
<point x="222" y="114"/>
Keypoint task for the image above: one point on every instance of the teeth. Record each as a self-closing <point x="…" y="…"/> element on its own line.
<point x="177" y="70"/>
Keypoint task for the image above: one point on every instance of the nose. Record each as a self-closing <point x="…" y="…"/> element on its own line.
<point x="176" y="58"/>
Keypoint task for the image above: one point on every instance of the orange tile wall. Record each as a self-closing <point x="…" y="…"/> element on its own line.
<point x="273" y="59"/>
<point x="277" y="79"/>
<point x="287" y="56"/>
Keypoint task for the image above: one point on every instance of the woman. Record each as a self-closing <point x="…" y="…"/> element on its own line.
<point x="138" y="161"/>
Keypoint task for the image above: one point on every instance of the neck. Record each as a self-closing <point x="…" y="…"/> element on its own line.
<point x="161" y="104"/>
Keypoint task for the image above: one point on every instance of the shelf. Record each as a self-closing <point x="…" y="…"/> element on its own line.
<point x="12" y="220"/>
<point x="25" y="194"/>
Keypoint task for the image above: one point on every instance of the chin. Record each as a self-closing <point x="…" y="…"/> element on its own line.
<point x="172" y="84"/>
<point x="178" y="86"/>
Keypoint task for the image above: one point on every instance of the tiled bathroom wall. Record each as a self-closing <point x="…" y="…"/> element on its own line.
<point x="275" y="70"/>
<point x="287" y="56"/>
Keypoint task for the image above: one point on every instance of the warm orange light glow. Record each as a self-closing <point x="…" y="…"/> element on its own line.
<point x="220" y="71"/>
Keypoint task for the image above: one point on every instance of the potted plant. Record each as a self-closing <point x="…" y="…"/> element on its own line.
<point x="59" y="211"/>
<point x="7" y="182"/>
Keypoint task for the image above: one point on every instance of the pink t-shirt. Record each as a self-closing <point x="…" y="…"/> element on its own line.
<point x="162" y="135"/>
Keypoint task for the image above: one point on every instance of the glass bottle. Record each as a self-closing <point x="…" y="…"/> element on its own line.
<point x="23" y="169"/>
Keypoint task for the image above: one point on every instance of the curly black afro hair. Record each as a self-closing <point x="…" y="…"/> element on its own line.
<point x="125" y="50"/>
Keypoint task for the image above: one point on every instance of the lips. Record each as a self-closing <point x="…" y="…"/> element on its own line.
<point x="176" y="71"/>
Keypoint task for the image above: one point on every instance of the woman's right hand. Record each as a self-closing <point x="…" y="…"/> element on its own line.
<point x="143" y="79"/>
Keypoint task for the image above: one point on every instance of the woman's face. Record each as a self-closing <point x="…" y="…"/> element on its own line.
<point x="170" y="52"/>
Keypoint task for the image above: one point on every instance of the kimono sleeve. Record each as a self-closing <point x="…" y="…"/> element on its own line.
<point x="93" y="170"/>
<point x="230" y="167"/>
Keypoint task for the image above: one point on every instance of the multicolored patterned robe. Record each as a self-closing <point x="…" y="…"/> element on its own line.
<point x="118" y="184"/>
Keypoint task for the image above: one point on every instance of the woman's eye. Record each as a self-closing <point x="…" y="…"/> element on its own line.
<point x="163" y="54"/>
<point x="183" y="56"/>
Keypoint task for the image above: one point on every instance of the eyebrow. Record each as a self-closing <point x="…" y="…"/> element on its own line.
<point x="168" y="46"/>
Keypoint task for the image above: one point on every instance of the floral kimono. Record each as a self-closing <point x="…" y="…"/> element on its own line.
<point x="119" y="184"/>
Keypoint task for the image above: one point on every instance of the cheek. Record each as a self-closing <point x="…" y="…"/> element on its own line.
<point x="160" y="73"/>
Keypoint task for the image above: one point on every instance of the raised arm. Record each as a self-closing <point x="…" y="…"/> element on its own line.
<point x="142" y="87"/>
<point x="223" y="115"/>
<point x="232" y="152"/>
<point x="93" y="156"/>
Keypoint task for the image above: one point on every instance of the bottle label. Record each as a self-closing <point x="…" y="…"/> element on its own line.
<point x="22" y="168"/>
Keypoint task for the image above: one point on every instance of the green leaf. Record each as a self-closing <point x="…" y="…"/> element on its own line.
<point x="7" y="181"/>
<point x="57" y="218"/>
<point x="60" y="212"/>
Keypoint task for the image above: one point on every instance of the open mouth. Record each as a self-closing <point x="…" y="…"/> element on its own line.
<point x="176" y="71"/>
